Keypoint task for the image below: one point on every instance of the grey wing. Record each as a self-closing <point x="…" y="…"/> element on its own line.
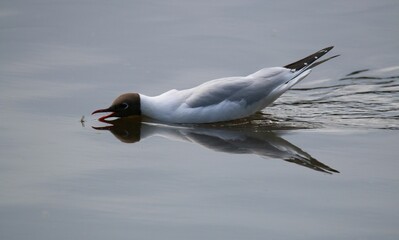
<point x="235" y="89"/>
<point x="216" y="91"/>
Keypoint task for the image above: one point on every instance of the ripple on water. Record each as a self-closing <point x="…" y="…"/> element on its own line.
<point x="361" y="99"/>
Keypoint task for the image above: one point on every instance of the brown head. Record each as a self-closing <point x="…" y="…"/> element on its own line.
<point x="125" y="105"/>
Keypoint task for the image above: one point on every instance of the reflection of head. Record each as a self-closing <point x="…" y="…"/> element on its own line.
<point x="127" y="130"/>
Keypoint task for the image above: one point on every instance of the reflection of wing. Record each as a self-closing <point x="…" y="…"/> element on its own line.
<point x="229" y="140"/>
<point x="262" y="144"/>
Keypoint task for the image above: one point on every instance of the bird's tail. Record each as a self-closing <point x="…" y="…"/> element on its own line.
<point x="310" y="61"/>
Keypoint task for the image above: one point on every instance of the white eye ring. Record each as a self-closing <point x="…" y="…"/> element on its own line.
<point x="125" y="106"/>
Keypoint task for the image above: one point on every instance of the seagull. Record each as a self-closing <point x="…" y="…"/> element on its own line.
<point x="218" y="100"/>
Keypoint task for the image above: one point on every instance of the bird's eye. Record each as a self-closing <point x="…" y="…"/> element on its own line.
<point x="123" y="106"/>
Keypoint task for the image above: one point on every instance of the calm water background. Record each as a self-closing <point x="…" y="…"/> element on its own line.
<point x="271" y="176"/>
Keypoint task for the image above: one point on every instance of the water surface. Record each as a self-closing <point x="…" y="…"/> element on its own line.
<point x="321" y="163"/>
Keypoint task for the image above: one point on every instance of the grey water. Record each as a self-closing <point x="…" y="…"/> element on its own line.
<point x="320" y="163"/>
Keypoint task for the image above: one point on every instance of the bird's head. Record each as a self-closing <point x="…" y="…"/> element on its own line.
<point x="125" y="105"/>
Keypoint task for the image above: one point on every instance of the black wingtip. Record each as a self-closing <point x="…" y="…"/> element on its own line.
<point x="307" y="61"/>
<point x="328" y="48"/>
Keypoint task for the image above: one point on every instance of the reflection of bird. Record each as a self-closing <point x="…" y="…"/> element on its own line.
<point x="217" y="100"/>
<point x="234" y="140"/>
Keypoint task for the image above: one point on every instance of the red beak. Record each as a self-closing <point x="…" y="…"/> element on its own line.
<point x="104" y="110"/>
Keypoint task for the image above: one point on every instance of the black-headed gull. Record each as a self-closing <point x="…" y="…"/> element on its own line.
<point x="217" y="100"/>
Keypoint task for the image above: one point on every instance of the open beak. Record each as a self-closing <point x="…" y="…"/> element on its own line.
<point x="112" y="113"/>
